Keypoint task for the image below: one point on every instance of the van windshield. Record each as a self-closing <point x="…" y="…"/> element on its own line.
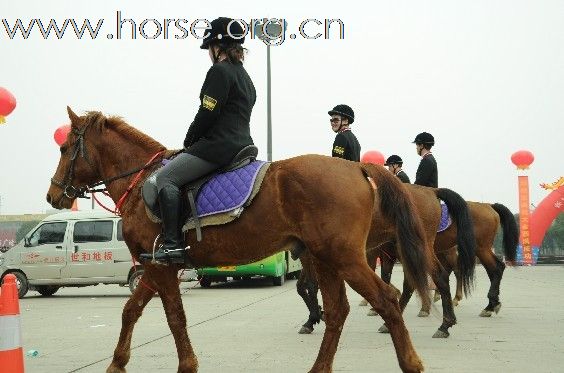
<point x="49" y="233"/>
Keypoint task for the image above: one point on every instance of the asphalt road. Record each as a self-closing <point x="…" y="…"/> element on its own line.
<point x="252" y="327"/>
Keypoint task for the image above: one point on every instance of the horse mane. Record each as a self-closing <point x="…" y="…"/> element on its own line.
<point x="120" y="125"/>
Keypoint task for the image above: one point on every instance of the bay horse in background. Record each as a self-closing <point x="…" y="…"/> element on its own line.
<point x="300" y="203"/>
<point x="487" y="219"/>
<point x="429" y="210"/>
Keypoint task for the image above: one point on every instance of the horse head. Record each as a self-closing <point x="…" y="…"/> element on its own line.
<point x="77" y="166"/>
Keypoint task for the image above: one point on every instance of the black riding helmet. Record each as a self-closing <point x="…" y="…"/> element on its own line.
<point x="424" y="138"/>
<point x="224" y="30"/>
<point x="393" y="159"/>
<point x="344" y="111"/>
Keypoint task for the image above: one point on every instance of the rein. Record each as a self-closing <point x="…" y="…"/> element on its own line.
<point x="121" y="201"/>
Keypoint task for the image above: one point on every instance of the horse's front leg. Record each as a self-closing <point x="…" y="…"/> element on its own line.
<point x="131" y="313"/>
<point x="176" y="318"/>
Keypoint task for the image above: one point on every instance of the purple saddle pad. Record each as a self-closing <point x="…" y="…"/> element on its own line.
<point x="445" y="218"/>
<point x="227" y="191"/>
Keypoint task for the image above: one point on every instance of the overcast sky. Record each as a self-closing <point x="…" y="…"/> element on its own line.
<point x="485" y="77"/>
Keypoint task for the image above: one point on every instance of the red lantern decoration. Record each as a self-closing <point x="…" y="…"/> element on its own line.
<point x="7" y="104"/>
<point x="522" y="159"/>
<point x="61" y="134"/>
<point x="373" y="156"/>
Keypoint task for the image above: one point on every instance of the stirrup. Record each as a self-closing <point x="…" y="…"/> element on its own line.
<point x="171" y="256"/>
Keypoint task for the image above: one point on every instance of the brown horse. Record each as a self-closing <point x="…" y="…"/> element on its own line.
<point x="427" y="202"/>
<point x="487" y="219"/>
<point x="302" y="202"/>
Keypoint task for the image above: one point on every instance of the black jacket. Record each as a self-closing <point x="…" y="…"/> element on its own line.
<point x="222" y="125"/>
<point x="346" y="146"/>
<point x="403" y="177"/>
<point x="427" y="172"/>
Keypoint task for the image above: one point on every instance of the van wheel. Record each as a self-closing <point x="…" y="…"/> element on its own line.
<point x="205" y="282"/>
<point x="47" y="290"/>
<point x="134" y="279"/>
<point x="21" y="283"/>
<point x="278" y="280"/>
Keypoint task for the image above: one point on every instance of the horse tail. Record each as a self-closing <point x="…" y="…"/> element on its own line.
<point x="510" y="231"/>
<point x="465" y="239"/>
<point x="396" y="206"/>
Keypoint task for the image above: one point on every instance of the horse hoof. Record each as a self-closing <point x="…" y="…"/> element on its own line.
<point x="436" y="297"/>
<point x="486" y="313"/>
<point x="423" y="314"/>
<point x="441" y="334"/>
<point x="305" y="330"/>
<point x="455" y="302"/>
<point x="114" y="369"/>
<point x="383" y="329"/>
<point x="497" y="308"/>
<point x="372" y="312"/>
<point x="363" y="303"/>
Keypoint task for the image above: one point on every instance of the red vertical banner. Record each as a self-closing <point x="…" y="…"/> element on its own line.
<point x="525" y="235"/>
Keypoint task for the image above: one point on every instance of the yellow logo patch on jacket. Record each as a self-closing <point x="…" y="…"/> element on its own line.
<point x="209" y="102"/>
<point x="339" y="150"/>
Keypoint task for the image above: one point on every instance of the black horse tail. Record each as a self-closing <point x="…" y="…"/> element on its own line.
<point x="465" y="239"/>
<point x="396" y="206"/>
<point x="510" y="231"/>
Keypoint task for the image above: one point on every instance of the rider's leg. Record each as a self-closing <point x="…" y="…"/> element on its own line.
<point x="180" y="171"/>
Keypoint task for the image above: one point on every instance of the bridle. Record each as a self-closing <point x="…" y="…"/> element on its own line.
<point x="72" y="192"/>
<point x="69" y="190"/>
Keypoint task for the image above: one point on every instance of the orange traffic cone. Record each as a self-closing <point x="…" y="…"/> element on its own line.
<point x="11" y="352"/>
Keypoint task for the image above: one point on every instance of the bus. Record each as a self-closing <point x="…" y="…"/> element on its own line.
<point x="278" y="267"/>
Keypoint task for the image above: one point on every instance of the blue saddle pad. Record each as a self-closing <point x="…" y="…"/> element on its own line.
<point x="227" y="191"/>
<point x="445" y="218"/>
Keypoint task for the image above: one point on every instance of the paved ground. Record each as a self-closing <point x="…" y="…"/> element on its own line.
<point x="252" y="327"/>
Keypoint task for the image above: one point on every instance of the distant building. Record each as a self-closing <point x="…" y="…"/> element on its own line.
<point x="14" y="227"/>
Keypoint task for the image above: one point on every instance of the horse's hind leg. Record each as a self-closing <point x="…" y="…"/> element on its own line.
<point x="336" y="308"/>
<point x="307" y="288"/>
<point x="131" y="313"/>
<point x="404" y="298"/>
<point x="494" y="267"/>
<point x="387" y="262"/>
<point x="440" y="277"/>
<point x="176" y="318"/>
<point x="382" y="297"/>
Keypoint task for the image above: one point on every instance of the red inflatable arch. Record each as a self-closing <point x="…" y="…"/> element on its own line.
<point x="545" y="213"/>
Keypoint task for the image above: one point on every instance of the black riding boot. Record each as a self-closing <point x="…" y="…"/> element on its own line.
<point x="172" y="250"/>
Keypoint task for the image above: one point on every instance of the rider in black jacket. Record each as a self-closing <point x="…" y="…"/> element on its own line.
<point x="219" y="131"/>
<point x="346" y="144"/>
<point x="427" y="172"/>
<point x="395" y="163"/>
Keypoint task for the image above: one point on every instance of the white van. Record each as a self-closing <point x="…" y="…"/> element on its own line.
<point x="78" y="248"/>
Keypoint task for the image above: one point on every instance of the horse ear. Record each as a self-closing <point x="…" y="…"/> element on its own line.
<point x="73" y="117"/>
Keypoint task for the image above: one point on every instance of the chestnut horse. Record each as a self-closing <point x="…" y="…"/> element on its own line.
<point x="381" y="241"/>
<point x="487" y="218"/>
<point x="307" y="201"/>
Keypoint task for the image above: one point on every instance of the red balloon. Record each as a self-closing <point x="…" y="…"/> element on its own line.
<point x="373" y="156"/>
<point x="522" y="159"/>
<point x="61" y="134"/>
<point x="7" y="102"/>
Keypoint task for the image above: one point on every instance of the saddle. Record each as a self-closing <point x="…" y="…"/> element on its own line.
<point x="223" y="192"/>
